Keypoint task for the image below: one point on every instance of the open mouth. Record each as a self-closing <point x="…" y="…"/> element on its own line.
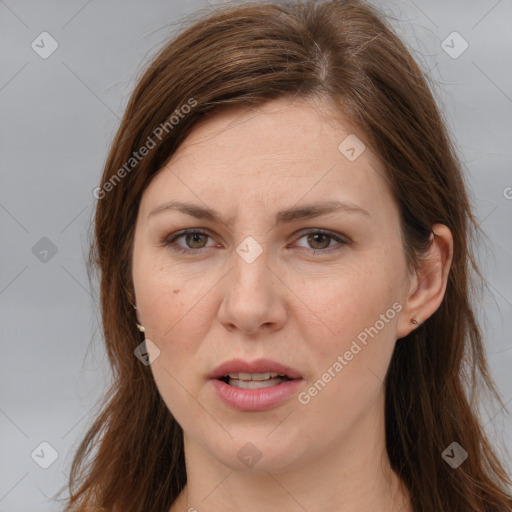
<point x="256" y="385"/>
<point x="254" y="380"/>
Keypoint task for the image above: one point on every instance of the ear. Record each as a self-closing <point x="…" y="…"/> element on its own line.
<point x="428" y="285"/>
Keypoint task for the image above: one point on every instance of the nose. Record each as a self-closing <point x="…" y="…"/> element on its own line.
<point x="253" y="301"/>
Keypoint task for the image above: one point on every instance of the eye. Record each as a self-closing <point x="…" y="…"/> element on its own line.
<point x="321" y="241"/>
<point x="194" y="240"/>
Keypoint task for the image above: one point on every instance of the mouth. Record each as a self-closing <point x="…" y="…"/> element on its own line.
<point x="254" y="380"/>
<point x="256" y="385"/>
<point x="260" y="373"/>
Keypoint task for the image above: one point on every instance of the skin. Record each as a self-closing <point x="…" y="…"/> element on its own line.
<point x="293" y="303"/>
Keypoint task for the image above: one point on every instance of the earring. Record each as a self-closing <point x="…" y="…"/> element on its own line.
<point x="140" y="327"/>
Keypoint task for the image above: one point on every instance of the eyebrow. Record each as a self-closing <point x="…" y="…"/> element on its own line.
<point x="308" y="211"/>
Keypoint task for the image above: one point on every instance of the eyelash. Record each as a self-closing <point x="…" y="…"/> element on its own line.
<point x="171" y="241"/>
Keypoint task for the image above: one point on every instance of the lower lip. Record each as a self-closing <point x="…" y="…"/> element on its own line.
<point x="256" y="399"/>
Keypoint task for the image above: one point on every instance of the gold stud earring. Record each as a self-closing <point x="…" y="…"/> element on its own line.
<point x="141" y="328"/>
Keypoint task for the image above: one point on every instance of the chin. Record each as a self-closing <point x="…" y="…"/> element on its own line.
<point x="253" y="452"/>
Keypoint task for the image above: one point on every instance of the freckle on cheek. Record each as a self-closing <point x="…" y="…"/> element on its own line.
<point x="175" y="291"/>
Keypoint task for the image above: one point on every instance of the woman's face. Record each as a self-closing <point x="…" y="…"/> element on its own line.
<point x="272" y="278"/>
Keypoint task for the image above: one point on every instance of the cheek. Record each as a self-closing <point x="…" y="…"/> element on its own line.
<point x="342" y="302"/>
<point x="171" y="302"/>
<point x="350" y="374"/>
<point x="351" y="346"/>
<point x="177" y="319"/>
<point x="173" y="311"/>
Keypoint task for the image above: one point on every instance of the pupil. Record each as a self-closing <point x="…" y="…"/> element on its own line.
<point x="313" y="239"/>
<point x="193" y="238"/>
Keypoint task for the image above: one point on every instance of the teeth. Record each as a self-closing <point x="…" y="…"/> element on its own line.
<point x="253" y="376"/>
<point x="254" y="384"/>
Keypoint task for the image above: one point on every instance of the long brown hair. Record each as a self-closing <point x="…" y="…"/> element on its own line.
<point x="132" y="459"/>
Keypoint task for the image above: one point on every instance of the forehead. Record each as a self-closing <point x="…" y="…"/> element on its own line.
<point x="280" y="152"/>
<point x="287" y="130"/>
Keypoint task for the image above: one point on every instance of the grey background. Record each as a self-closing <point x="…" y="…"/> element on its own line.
<point x="58" y="116"/>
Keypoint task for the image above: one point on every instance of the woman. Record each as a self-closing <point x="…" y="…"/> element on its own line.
<point x="282" y="218"/>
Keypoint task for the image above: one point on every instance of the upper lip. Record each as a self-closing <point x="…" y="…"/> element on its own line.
<point x="256" y="366"/>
